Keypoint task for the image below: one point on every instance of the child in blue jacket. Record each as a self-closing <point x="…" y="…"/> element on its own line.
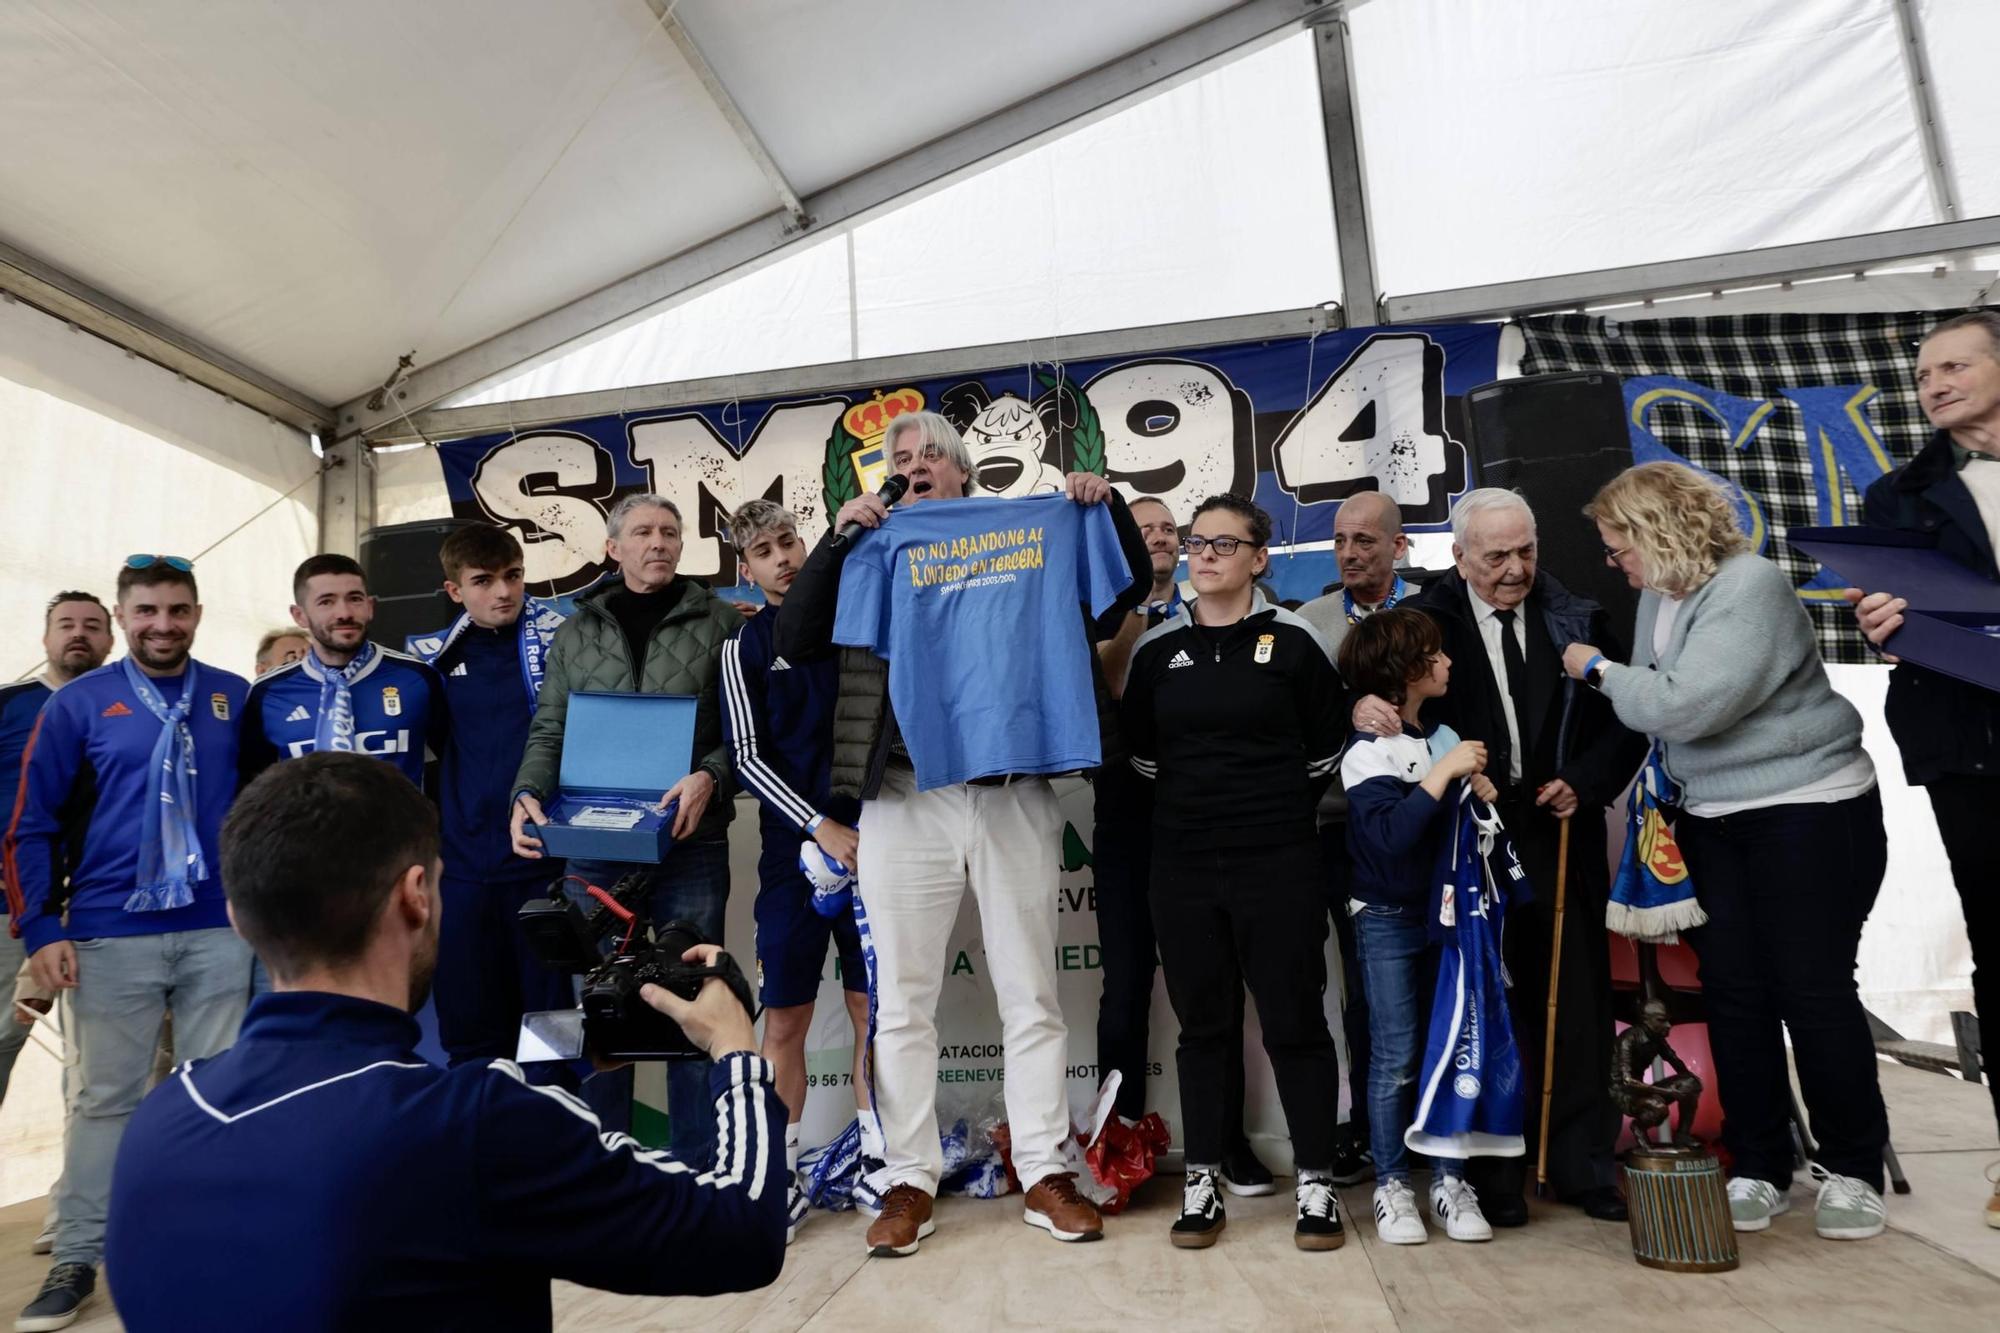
<point x="1397" y="789"/>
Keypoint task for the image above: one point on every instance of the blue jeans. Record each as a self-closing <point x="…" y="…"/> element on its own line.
<point x="12" y="1035"/>
<point x="1398" y="972"/>
<point x="692" y="885"/>
<point x="124" y="986"/>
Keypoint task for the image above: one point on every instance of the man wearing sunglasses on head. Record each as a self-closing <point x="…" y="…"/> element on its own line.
<point x="142" y="755"/>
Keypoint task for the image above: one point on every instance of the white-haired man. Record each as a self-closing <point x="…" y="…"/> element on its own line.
<point x="997" y="834"/>
<point x="1557" y="752"/>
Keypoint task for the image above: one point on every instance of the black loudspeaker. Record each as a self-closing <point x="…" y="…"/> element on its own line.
<point x="403" y="573"/>
<point x="1556" y="439"/>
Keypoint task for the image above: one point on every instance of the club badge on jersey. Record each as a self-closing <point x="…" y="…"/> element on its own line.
<point x="381" y="704"/>
<point x="1470" y="1096"/>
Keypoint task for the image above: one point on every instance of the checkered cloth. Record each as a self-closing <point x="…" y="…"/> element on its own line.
<point x="1756" y="357"/>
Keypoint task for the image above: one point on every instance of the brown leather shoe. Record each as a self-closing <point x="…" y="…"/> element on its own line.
<point x="1056" y="1207"/>
<point x="905" y="1219"/>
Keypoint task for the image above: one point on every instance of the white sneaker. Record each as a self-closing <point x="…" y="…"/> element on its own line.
<point x="1753" y="1203"/>
<point x="797" y="1206"/>
<point x="45" y="1239"/>
<point x="1454" y="1203"/>
<point x="1848" y="1209"/>
<point x="1397" y="1221"/>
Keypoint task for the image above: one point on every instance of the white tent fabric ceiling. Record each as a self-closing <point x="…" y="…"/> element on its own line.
<point x="315" y="189"/>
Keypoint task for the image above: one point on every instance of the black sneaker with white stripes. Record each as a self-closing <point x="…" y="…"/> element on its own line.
<point x="1318" y="1226"/>
<point x="1202" y="1218"/>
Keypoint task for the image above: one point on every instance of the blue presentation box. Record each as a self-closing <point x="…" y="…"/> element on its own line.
<point x="621" y="753"/>
<point x="1953" y="621"/>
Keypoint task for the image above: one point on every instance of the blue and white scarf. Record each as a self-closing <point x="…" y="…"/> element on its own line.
<point x="334" y="731"/>
<point x="1652" y="897"/>
<point x="170" y="856"/>
<point x="1471" y="1097"/>
<point x="540" y="619"/>
<point x="1356" y="613"/>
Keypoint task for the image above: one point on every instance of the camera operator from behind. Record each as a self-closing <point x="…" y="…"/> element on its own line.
<point x="321" y="1175"/>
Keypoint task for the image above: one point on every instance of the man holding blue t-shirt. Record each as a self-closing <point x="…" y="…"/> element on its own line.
<point x="966" y="679"/>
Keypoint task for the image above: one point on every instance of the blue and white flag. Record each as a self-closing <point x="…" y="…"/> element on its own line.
<point x="1470" y="1094"/>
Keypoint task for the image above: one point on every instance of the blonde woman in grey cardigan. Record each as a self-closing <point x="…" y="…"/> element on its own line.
<point x="1781" y="827"/>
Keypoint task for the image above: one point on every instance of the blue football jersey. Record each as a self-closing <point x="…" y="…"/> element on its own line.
<point x="399" y="713"/>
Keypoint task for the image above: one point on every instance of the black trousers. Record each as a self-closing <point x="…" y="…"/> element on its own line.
<point x="1122" y="862"/>
<point x="1339" y="871"/>
<point x="1583" y="1123"/>
<point x="1257" y="916"/>
<point x="1786" y="889"/>
<point x="1966" y="808"/>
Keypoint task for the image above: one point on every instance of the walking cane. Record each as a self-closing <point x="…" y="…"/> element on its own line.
<point x="1549" y="1042"/>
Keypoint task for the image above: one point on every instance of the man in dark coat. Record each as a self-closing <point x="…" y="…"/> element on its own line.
<point x="1949" y="730"/>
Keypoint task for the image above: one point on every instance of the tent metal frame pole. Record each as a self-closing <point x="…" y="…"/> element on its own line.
<point x="1930" y="125"/>
<point x="447" y="423"/>
<point x="1346" y="170"/>
<point x="1235" y="31"/>
<point x="49" y="289"/>
<point x="1740" y="268"/>
<point x="718" y="93"/>
<point x="346" y="497"/>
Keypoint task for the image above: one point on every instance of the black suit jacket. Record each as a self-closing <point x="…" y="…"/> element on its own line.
<point x="1944" y="726"/>
<point x="1571" y="731"/>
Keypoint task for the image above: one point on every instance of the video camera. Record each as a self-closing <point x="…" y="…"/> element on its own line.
<point x="618" y="951"/>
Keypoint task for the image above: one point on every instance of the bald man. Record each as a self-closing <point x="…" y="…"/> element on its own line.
<point x="1369" y="545"/>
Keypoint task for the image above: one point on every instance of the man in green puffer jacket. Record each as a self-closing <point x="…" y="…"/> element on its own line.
<point x="654" y="632"/>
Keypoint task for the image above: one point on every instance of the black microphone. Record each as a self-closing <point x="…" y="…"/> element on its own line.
<point x="892" y="491"/>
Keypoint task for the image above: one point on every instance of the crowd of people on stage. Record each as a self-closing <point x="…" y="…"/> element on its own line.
<point x="267" y="879"/>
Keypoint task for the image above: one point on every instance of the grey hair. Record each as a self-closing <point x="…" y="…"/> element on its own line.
<point x="754" y="518"/>
<point x="1485" y="500"/>
<point x="933" y="429"/>
<point x="614" y="522"/>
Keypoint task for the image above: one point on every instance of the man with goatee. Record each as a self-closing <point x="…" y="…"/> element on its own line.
<point x="140" y="756"/>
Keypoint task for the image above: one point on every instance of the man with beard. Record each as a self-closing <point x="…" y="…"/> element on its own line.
<point x="322" y="1176"/>
<point x="142" y="755"/>
<point x="1557" y="753"/>
<point x="76" y="637"/>
<point x="345" y="693"/>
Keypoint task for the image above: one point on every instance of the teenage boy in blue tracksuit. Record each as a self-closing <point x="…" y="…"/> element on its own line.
<point x="778" y="718"/>
<point x="345" y="693"/>
<point x="490" y="660"/>
<point x="321" y="1176"/>
<point x="143" y="754"/>
<point x="1397" y="816"/>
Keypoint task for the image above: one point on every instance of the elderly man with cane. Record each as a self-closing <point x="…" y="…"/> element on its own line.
<point x="1557" y="751"/>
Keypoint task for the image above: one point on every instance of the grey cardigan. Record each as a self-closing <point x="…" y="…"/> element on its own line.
<point x="1739" y="697"/>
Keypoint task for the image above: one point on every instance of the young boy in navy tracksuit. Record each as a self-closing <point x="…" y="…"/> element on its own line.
<point x="778" y="717"/>
<point x="1398" y="812"/>
<point x="490" y="663"/>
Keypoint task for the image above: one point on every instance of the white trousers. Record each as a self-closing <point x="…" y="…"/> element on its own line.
<point x="919" y="853"/>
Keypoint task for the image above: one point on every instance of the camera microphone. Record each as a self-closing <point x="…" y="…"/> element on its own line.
<point x="892" y="491"/>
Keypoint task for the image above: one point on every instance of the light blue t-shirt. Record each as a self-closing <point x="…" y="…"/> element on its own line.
<point x="975" y="606"/>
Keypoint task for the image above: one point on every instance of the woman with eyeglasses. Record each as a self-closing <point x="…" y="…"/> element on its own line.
<point x="1234" y="710"/>
<point x="1780" y="826"/>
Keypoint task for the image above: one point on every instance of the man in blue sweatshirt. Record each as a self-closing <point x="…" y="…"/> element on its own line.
<point x="490" y="661"/>
<point x="345" y="693"/>
<point x="76" y="637"/>
<point x="144" y="752"/>
<point x="322" y="1176"/>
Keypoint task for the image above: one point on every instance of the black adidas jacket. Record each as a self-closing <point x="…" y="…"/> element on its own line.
<point x="1240" y="726"/>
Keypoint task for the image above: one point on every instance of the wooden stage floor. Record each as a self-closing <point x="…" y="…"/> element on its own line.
<point x="1938" y="1268"/>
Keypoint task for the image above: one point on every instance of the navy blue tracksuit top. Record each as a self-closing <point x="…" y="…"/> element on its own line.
<point x="490" y="712"/>
<point x="320" y="1175"/>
